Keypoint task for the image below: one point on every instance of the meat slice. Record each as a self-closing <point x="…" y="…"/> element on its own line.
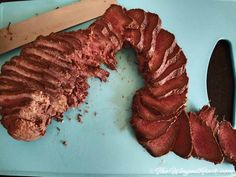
<point x="204" y="142"/>
<point x="207" y="115"/>
<point x="102" y="44"/>
<point x="76" y="45"/>
<point x="101" y="32"/>
<point x="48" y="55"/>
<point x="14" y="98"/>
<point x="39" y="65"/>
<point x="34" y="71"/>
<point x="38" y="68"/>
<point x="170" y="59"/>
<point x="142" y="23"/>
<point x="22" y="81"/>
<point x="102" y="27"/>
<point x="116" y="17"/>
<point x="164" y="45"/>
<point x="82" y="36"/>
<point x="226" y="136"/>
<point x="133" y="36"/>
<point x="167" y="105"/>
<point x="149" y="129"/>
<point x="54" y="43"/>
<point x="164" y="63"/>
<point x="183" y="143"/>
<point x="164" y="143"/>
<point x="137" y="15"/>
<point x="65" y="58"/>
<point x="7" y="87"/>
<point x="51" y="66"/>
<point x="29" y="74"/>
<point x="152" y="28"/>
<point x="174" y="70"/>
<point x="173" y="86"/>
<point x="12" y="110"/>
<point x="149" y="113"/>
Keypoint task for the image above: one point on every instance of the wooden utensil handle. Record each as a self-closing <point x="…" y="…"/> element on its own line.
<point x="21" y="33"/>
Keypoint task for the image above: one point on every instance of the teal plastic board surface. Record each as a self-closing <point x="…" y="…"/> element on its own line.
<point x="104" y="144"/>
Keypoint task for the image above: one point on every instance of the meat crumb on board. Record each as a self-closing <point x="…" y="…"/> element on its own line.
<point x="64" y="143"/>
<point x="58" y="130"/>
<point x="79" y="118"/>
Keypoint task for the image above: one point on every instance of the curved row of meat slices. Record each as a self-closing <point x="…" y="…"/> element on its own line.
<point x="188" y="134"/>
<point x="159" y="119"/>
<point x="157" y="105"/>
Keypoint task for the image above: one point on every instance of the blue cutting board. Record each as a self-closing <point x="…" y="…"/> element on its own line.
<point x="105" y="144"/>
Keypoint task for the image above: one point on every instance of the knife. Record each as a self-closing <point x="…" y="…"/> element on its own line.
<point x="18" y="34"/>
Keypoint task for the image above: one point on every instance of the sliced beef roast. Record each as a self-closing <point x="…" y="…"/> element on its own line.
<point x="50" y="76"/>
